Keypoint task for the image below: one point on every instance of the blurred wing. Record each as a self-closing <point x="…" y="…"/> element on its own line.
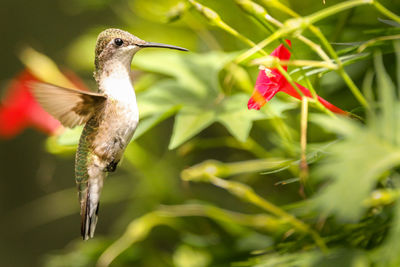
<point x="71" y="107"/>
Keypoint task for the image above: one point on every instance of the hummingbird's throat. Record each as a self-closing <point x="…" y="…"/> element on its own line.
<point x="116" y="63"/>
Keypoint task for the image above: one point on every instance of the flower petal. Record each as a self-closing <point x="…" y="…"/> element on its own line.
<point x="288" y="88"/>
<point x="282" y="52"/>
<point x="19" y="109"/>
<point x="256" y="101"/>
<point x="12" y="121"/>
<point x="332" y="107"/>
<point x="264" y="90"/>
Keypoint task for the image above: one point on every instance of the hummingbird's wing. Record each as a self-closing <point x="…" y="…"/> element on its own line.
<point x="70" y="106"/>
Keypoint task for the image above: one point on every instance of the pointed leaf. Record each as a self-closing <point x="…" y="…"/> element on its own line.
<point x="235" y="116"/>
<point x="161" y="97"/>
<point x="349" y="184"/>
<point x="152" y="121"/>
<point x="188" y="123"/>
<point x="388" y="253"/>
<point x="197" y="72"/>
<point x="387" y="97"/>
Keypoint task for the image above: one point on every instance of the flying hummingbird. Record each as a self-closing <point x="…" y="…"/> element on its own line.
<point x="110" y="116"/>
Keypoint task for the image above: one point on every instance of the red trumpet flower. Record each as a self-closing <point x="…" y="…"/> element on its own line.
<point x="19" y="109"/>
<point x="271" y="81"/>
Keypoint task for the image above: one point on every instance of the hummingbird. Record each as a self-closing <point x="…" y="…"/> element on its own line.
<point x="110" y="116"/>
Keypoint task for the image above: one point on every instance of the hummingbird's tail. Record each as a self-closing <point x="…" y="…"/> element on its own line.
<point x="90" y="202"/>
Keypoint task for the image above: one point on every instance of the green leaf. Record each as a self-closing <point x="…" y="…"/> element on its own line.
<point x="396" y="45"/>
<point x="235" y="116"/>
<point x="160" y="97"/>
<point x="198" y="73"/>
<point x="374" y="146"/>
<point x="361" y="146"/>
<point x="152" y="121"/>
<point x="388" y="253"/>
<point x="189" y="122"/>
<point x="387" y="97"/>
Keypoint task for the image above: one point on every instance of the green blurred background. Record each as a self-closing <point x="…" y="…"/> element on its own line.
<point x="39" y="216"/>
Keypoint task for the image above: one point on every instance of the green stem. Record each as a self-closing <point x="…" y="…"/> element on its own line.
<point x="382" y="197"/>
<point x="240" y="76"/>
<point x="259" y="14"/>
<point x="255" y="147"/>
<point x="303" y="146"/>
<point x="374" y="40"/>
<point x="203" y="170"/>
<point x="279" y="6"/>
<point x="281" y="128"/>
<point x="288" y="78"/>
<point x="241" y="37"/>
<point x="396" y="45"/>
<point x="292" y="83"/>
<point x="317" y="48"/>
<point x="315" y="96"/>
<point x="259" y="221"/>
<point x="246" y="193"/>
<point x="215" y="19"/>
<point x="326" y="12"/>
<point x="305" y="40"/>
<point x="202" y="31"/>
<point x="299" y="63"/>
<point x="256" y="12"/>
<point x="354" y="89"/>
<point x="136" y="231"/>
<point x="311" y="44"/>
<point x="385" y="11"/>
<point x="276" y="35"/>
<point x="140" y="228"/>
<point x="249" y="145"/>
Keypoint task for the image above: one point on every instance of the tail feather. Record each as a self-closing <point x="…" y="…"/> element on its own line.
<point x="90" y="206"/>
<point x="89" y="219"/>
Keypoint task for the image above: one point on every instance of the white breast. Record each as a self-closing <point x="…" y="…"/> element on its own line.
<point x="119" y="88"/>
<point x="120" y="119"/>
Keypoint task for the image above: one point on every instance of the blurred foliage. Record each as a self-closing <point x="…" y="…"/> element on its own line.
<point x="247" y="198"/>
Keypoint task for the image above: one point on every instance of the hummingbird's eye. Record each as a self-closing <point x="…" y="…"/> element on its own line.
<point x="118" y="41"/>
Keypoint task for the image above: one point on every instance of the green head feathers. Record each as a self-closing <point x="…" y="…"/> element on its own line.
<point x="106" y="36"/>
<point x="109" y="35"/>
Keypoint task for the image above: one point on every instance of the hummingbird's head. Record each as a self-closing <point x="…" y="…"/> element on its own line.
<point x="118" y="46"/>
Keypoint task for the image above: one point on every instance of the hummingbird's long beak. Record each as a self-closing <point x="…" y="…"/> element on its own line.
<point x="151" y="44"/>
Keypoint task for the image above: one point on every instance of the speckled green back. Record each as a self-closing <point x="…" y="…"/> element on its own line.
<point x="82" y="158"/>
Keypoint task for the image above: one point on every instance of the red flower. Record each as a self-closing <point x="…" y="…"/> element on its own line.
<point x="271" y="81"/>
<point x="19" y="109"/>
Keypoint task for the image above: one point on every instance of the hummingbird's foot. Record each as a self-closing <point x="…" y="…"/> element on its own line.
<point x="112" y="166"/>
